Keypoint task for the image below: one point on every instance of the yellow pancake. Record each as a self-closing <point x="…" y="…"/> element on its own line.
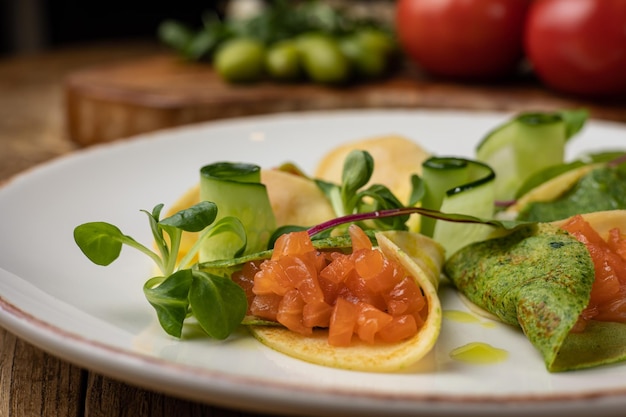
<point x="422" y="258"/>
<point x="396" y="158"/>
<point x="295" y="200"/>
<point x="603" y="221"/>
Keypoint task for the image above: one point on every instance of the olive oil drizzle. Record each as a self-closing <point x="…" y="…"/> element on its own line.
<point x="464" y="317"/>
<point x="479" y="353"/>
<point x="475" y="352"/>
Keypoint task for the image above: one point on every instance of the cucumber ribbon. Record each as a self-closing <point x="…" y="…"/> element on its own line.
<point x="527" y="144"/>
<point x="461" y="186"/>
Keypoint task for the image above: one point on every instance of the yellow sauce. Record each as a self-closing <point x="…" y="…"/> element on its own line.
<point x="479" y="353"/>
<point x="463" y="317"/>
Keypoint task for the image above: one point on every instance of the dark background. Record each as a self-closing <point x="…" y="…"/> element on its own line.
<point x="35" y="25"/>
<point x="28" y="26"/>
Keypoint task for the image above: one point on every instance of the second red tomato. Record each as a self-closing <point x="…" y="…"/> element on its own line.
<point x="465" y="39"/>
<point x="579" y="46"/>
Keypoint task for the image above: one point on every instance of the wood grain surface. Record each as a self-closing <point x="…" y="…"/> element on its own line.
<point x="109" y="102"/>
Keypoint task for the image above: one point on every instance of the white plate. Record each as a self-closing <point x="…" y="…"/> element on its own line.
<point x="97" y="317"/>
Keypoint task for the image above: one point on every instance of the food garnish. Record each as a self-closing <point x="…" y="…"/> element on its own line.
<point x="347" y="275"/>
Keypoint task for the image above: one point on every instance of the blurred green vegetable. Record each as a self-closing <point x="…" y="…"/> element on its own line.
<point x="370" y="50"/>
<point x="240" y="60"/>
<point x="322" y="58"/>
<point x="344" y="49"/>
<point x="282" y="61"/>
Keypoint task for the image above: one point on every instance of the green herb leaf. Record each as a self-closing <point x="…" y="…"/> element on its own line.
<point x="101" y="242"/>
<point x="194" y="218"/>
<point x="574" y="121"/>
<point x="418" y="190"/>
<point x="169" y="297"/>
<point x="231" y="224"/>
<point x="157" y="233"/>
<point x="217" y="303"/>
<point x="379" y="197"/>
<point x="357" y="171"/>
<point x="349" y="197"/>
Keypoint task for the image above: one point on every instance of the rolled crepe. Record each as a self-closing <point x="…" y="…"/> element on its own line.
<point x="540" y="278"/>
<point x="422" y="258"/>
<point x="586" y="189"/>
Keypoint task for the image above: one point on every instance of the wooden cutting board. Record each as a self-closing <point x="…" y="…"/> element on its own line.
<point x="106" y="103"/>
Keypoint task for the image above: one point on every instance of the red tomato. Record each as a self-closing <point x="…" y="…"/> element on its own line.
<point x="578" y="46"/>
<point x="467" y="39"/>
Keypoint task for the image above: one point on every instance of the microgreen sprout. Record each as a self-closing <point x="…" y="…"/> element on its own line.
<point x="406" y="211"/>
<point x="350" y="197"/>
<point x="217" y="303"/>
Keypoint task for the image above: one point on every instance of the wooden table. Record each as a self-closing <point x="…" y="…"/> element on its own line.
<point x="32" y="382"/>
<point x="32" y="131"/>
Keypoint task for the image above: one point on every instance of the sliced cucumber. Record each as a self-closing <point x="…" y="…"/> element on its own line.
<point x="237" y="191"/>
<point x="526" y="145"/>
<point x="456" y="185"/>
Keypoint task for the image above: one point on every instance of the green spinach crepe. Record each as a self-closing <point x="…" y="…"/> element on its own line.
<point x="580" y="188"/>
<point x="539" y="278"/>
